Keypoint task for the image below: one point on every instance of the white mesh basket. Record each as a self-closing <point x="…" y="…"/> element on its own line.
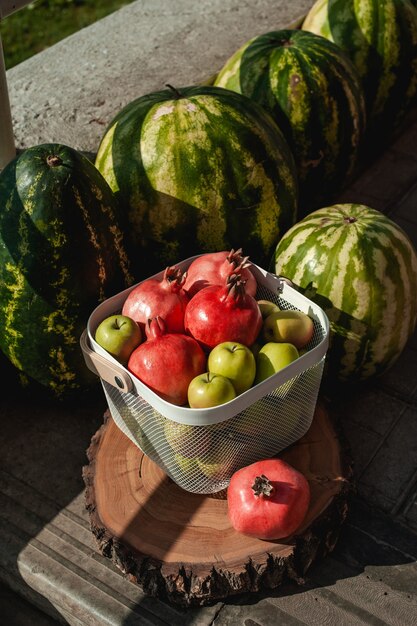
<point x="201" y="448"/>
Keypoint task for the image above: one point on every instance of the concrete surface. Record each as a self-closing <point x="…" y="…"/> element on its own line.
<point x="47" y="552"/>
<point x="71" y="91"/>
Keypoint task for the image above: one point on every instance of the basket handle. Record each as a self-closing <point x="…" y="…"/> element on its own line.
<point x="104" y="368"/>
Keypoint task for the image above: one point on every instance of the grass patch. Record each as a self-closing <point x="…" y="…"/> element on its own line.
<point x="45" y="22"/>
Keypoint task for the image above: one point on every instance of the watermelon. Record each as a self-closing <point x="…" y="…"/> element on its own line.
<point x="361" y="268"/>
<point x="380" y="37"/>
<point x="200" y="169"/>
<point x="61" y="252"/>
<point x="313" y="91"/>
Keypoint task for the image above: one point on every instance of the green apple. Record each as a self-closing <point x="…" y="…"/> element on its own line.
<point x="272" y="358"/>
<point x="208" y="389"/>
<point x="186" y="440"/>
<point x="289" y="326"/>
<point x="267" y="307"/>
<point x="186" y="465"/>
<point x="119" y="335"/>
<point x="218" y="463"/>
<point x="235" y="361"/>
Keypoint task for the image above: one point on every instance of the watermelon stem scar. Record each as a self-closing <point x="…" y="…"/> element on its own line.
<point x="175" y="91"/>
<point x="53" y="160"/>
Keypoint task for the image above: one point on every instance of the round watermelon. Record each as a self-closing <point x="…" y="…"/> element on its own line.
<point x="380" y="38"/>
<point x="313" y="92"/>
<point x="61" y="253"/>
<point x="361" y="268"/>
<point x="198" y="170"/>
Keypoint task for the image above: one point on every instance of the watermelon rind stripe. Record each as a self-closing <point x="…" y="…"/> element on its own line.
<point x="203" y="171"/>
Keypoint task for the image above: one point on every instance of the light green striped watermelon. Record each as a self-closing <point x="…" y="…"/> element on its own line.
<point x="313" y="92"/>
<point x="380" y="37"/>
<point x="199" y="170"/>
<point x="361" y="268"/>
<point x="61" y="252"/>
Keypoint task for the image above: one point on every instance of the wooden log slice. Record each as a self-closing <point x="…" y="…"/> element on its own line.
<point x="180" y="546"/>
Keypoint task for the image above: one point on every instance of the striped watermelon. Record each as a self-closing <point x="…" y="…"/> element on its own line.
<point x="313" y="92"/>
<point x="199" y="171"/>
<point x="61" y="251"/>
<point x="361" y="268"/>
<point x="380" y="37"/>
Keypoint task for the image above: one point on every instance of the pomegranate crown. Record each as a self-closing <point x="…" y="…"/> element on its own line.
<point x="239" y="262"/>
<point x="174" y="277"/>
<point x="235" y="286"/>
<point x="155" y="327"/>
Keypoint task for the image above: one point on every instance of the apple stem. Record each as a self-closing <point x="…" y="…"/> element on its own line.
<point x="262" y="486"/>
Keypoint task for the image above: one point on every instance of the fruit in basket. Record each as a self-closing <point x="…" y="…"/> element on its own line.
<point x="361" y="268"/>
<point x="267" y="307"/>
<point x="159" y="296"/>
<point x="277" y="420"/>
<point x="61" y="252"/>
<point x="187" y="440"/>
<point x="214" y="268"/>
<point x="199" y="169"/>
<point x="380" y="39"/>
<point x="268" y="499"/>
<point x="290" y="326"/>
<point x="167" y="362"/>
<point x="186" y="465"/>
<point x="208" y="389"/>
<point x="223" y="313"/>
<point x="273" y="357"/>
<point x="220" y="460"/>
<point x="249" y="422"/>
<point x="119" y="335"/>
<point x="313" y="92"/>
<point x="235" y="361"/>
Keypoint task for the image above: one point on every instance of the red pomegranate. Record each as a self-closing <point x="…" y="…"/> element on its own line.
<point x="163" y="297"/>
<point x="214" y="268"/>
<point x="216" y="314"/>
<point x="167" y="362"/>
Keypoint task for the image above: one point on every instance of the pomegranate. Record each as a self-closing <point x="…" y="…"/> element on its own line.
<point x="214" y="268"/>
<point x="268" y="499"/>
<point x="167" y="362"/>
<point x="223" y="313"/>
<point x="164" y="297"/>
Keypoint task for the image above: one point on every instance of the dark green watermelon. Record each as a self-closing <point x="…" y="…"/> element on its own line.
<point x="61" y="253"/>
<point x="380" y="38"/>
<point x="314" y="94"/>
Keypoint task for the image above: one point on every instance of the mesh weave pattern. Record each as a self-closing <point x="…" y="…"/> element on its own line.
<point x="202" y="459"/>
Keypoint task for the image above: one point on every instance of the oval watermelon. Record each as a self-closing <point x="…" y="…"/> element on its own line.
<point x="380" y="38"/>
<point x="198" y="171"/>
<point x="313" y="92"/>
<point x="61" y="252"/>
<point x="361" y="268"/>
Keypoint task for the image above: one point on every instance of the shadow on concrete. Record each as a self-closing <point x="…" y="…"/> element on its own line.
<point x="42" y="451"/>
